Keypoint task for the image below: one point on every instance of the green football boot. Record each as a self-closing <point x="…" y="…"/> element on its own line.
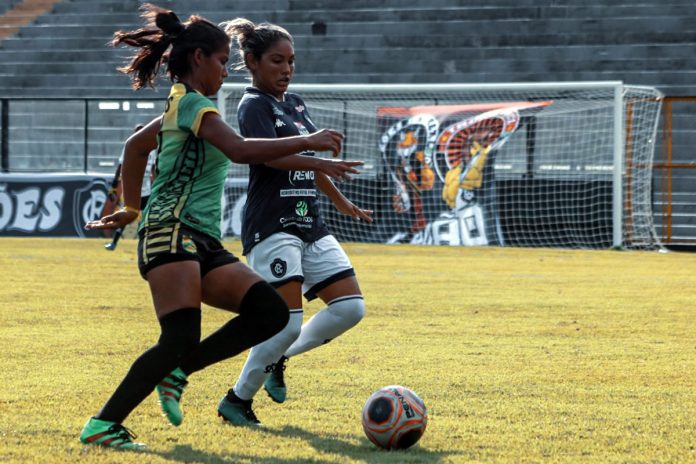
<point x="109" y="434"/>
<point x="237" y="411"/>
<point x="275" y="382"/>
<point x="169" y="391"/>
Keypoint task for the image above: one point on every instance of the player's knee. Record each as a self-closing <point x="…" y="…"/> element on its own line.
<point x="266" y="308"/>
<point x="351" y="309"/>
<point x="290" y="332"/>
<point x="181" y="331"/>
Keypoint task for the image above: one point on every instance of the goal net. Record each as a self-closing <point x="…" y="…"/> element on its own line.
<point x="552" y="165"/>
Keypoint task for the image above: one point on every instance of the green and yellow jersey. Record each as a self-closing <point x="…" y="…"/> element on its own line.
<point x="190" y="174"/>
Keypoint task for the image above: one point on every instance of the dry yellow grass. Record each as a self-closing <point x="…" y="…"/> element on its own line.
<point x="522" y="355"/>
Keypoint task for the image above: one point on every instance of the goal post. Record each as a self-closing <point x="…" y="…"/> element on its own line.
<point x="565" y="164"/>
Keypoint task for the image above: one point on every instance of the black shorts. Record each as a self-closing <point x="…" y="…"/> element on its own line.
<point x="180" y="243"/>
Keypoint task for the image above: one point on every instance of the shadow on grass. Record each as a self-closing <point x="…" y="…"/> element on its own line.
<point x="185" y="453"/>
<point x="364" y="451"/>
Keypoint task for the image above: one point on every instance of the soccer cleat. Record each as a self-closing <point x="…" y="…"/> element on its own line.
<point x="237" y="411"/>
<point x="110" y="246"/>
<point x="275" y="382"/>
<point x="110" y="434"/>
<point x="169" y="391"/>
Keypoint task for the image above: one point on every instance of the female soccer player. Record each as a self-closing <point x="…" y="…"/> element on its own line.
<point x="284" y="236"/>
<point x="179" y="251"/>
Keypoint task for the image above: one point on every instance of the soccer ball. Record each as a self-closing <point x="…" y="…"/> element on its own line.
<point x="394" y="417"/>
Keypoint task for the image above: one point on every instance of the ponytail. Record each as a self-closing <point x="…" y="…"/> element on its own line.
<point x="165" y="39"/>
<point x="252" y="38"/>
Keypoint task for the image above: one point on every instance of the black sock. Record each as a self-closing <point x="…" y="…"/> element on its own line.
<point x="262" y="314"/>
<point x="117" y="236"/>
<point x="233" y="398"/>
<point x="181" y="332"/>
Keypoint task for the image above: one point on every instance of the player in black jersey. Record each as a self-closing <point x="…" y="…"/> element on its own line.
<point x="179" y="251"/>
<point x="284" y="236"/>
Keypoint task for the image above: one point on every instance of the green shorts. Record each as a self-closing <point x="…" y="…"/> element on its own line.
<point x="180" y="243"/>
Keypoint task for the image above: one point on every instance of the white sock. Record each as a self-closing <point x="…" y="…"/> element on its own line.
<point x="261" y="358"/>
<point x="340" y="315"/>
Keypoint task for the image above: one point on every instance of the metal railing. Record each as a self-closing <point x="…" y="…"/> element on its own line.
<point x="68" y="134"/>
<point x="674" y="173"/>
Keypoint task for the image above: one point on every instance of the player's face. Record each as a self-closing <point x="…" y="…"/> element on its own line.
<point x="273" y="72"/>
<point x="214" y="70"/>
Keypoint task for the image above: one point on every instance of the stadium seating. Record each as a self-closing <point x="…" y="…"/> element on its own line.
<point x="15" y="13"/>
<point x="64" y="52"/>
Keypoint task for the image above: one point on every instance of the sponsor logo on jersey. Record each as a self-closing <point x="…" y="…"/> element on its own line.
<point x="279" y="123"/>
<point x="300" y="108"/>
<point x="279" y="268"/>
<point x="298" y="176"/>
<point x="301" y="127"/>
<point x="298" y="193"/>
<point x="301" y="208"/>
<point x="304" y="222"/>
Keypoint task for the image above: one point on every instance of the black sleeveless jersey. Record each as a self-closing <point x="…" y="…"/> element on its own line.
<point x="278" y="200"/>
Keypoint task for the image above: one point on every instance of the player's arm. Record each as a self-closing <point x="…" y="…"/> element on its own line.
<point x="137" y="151"/>
<point x="256" y="120"/>
<point x="135" y="154"/>
<point x="255" y="151"/>
<point x="342" y="204"/>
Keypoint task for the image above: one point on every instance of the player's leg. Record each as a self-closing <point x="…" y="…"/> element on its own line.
<point x="278" y="260"/>
<point x="227" y="284"/>
<point x="176" y="290"/>
<point x="330" y="276"/>
<point x="262" y="314"/>
<point x="273" y="380"/>
<point x="111" y="246"/>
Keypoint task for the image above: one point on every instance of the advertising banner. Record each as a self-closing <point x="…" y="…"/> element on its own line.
<point x="439" y="161"/>
<point x="51" y="205"/>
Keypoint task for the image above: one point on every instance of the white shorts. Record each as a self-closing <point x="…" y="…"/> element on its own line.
<point x="283" y="257"/>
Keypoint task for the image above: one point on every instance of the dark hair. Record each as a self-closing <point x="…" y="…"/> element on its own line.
<point x="254" y="38"/>
<point x="165" y="39"/>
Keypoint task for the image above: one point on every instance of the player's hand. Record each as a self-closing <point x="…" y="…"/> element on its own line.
<point x="348" y="208"/>
<point x="339" y="169"/>
<point x="120" y="218"/>
<point x="326" y="140"/>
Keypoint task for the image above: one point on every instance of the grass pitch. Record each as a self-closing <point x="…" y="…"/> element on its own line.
<point x="521" y="355"/>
